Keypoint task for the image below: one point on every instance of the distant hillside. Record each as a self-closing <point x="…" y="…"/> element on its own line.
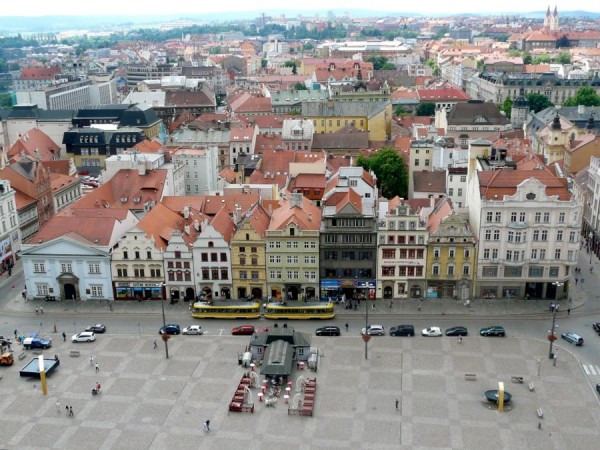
<point x="16" y="24"/>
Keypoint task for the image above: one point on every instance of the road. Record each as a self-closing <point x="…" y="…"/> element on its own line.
<point x="535" y="323"/>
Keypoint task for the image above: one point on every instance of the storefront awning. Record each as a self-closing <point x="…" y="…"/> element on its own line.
<point x="333" y="284"/>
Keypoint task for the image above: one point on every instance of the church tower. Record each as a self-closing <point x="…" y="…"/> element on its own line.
<point x="554" y="23"/>
<point x="547" y="19"/>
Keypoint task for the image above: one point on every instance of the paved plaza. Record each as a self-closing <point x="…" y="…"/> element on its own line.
<point x="149" y="402"/>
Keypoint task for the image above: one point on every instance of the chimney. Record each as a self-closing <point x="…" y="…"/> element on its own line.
<point x="296" y="199"/>
<point x="186" y="229"/>
<point x="196" y="225"/>
<point x="186" y="212"/>
<point x="432" y="202"/>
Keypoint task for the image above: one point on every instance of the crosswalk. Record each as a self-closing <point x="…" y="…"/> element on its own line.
<point x="591" y="369"/>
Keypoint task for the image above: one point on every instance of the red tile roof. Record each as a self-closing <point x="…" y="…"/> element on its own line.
<point x="268" y="143"/>
<point x="39" y="73"/>
<point x="97" y="231"/>
<point x="31" y="141"/>
<point x="447" y="93"/>
<point x="160" y="222"/>
<point x="306" y="217"/>
<point x="223" y="223"/>
<point x="494" y="185"/>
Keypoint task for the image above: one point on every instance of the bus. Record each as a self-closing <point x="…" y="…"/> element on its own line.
<point x="299" y="310"/>
<point x="226" y="310"/>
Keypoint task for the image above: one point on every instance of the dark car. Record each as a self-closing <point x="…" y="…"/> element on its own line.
<point x="36" y="342"/>
<point x="242" y="330"/>
<point x="170" y="328"/>
<point x="494" y="330"/>
<point x="328" y="331"/>
<point x="97" y="328"/>
<point x="402" y="330"/>
<point x="457" y="331"/>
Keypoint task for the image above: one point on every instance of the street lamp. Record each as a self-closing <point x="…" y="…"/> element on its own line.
<point x="165" y="336"/>
<point x="590" y="235"/>
<point x="551" y="335"/>
<point x="366" y="337"/>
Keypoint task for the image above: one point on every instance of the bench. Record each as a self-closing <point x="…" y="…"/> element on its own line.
<point x="22" y="355"/>
<point x="74" y="353"/>
<point x="531" y="386"/>
<point x="540" y="413"/>
<point x="518" y="380"/>
<point x="470" y="376"/>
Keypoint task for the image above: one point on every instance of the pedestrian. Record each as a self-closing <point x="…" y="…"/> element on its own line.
<point x="57" y="406"/>
<point x="16" y="333"/>
<point x="576" y="281"/>
<point x="37" y="311"/>
<point x="570" y="300"/>
<point x="207" y="425"/>
<point x="391" y="303"/>
<point x="419" y="307"/>
<point x="97" y="368"/>
<point x="67" y="408"/>
<point x="569" y="312"/>
<point x="155" y="344"/>
<point x="70" y="411"/>
<point x="346" y="326"/>
<point x="55" y="328"/>
<point x="64" y="335"/>
<point x="460" y="339"/>
<point x="591" y="269"/>
<point x="110" y="306"/>
<point x="24" y="294"/>
<point x="397" y="404"/>
<point x="42" y="309"/>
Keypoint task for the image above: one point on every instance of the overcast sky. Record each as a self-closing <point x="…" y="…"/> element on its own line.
<point x="181" y="7"/>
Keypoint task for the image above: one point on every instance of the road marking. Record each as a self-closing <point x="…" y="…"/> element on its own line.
<point x="591" y="370"/>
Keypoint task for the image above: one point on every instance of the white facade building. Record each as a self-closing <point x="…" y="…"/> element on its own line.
<point x="199" y="168"/>
<point x="10" y="240"/>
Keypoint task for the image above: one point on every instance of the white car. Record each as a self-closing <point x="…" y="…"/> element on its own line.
<point x="193" y="329"/>
<point x="374" y="330"/>
<point x="84" y="336"/>
<point x="431" y="331"/>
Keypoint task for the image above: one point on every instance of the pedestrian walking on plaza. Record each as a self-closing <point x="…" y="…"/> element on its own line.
<point x="57" y="406"/>
<point x="55" y="328"/>
<point x="64" y="335"/>
<point x="207" y="425"/>
<point x="460" y="339"/>
<point x="67" y="408"/>
<point x="397" y="404"/>
<point x="16" y="333"/>
<point x="42" y="309"/>
<point x="346" y="326"/>
<point x="569" y="312"/>
<point x="591" y="269"/>
<point x="97" y="368"/>
<point x="576" y="281"/>
<point x="70" y="411"/>
<point x="37" y="311"/>
<point x="155" y="344"/>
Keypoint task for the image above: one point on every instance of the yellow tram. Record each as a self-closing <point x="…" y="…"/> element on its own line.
<point x="226" y="310"/>
<point x="299" y="310"/>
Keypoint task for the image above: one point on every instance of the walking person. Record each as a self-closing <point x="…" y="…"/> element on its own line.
<point x="569" y="312"/>
<point x="57" y="406"/>
<point x="346" y="327"/>
<point x="37" y="311"/>
<point x="70" y="411"/>
<point x="576" y="281"/>
<point x="155" y="344"/>
<point x="67" y="408"/>
<point x="460" y="339"/>
<point x="64" y="335"/>
<point x="207" y="425"/>
<point x="397" y="404"/>
<point x="91" y="359"/>
<point x="42" y="309"/>
<point x="97" y="368"/>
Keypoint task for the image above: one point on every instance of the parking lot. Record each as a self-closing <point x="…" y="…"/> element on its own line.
<point x="152" y="402"/>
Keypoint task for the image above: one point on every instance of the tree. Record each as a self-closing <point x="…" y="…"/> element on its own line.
<point x="527" y="59"/>
<point x="400" y="111"/>
<point x="426" y="109"/>
<point x="507" y="106"/>
<point x="585" y="96"/>
<point x="378" y="61"/>
<point x="537" y="102"/>
<point x="541" y="59"/>
<point x="389" y="167"/>
<point x="300" y="87"/>
<point x="6" y="101"/>
<point x="388" y="66"/>
<point x="564" y="58"/>
<point x="563" y="42"/>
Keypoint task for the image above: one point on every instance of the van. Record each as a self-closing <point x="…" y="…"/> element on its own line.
<point x="573" y="338"/>
<point x="402" y="330"/>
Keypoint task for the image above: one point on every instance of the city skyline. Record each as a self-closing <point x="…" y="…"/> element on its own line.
<point x="36" y="8"/>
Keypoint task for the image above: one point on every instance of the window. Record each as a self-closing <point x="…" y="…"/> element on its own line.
<point x="242" y="260"/>
<point x="243" y="274"/>
<point x="542" y="253"/>
<point x="388" y="271"/>
<point x="498" y="217"/>
<point x="489" y="216"/>
<point x="536" y="235"/>
<point x="488" y="235"/>
<point x="486" y="253"/>
<point x="122" y="273"/>
<point x="148" y="254"/>
<point x="223" y="257"/>
<point x="416" y="162"/>
<point x="490" y="271"/>
<point x="572" y="236"/>
<point x="254" y="275"/>
<point x="513" y="272"/>
<point x="467" y="253"/>
<point x="125" y="254"/>
<point x="254" y="261"/>
<point x="509" y="255"/>
<point x="94" y="267"/>
<point x="242" y="249"/>
<point x="546" y="217"/>
<point x="534" y="253"/>
<point x="496" y="235"/>
<point x="435" y="269"/>
<point x="224" y="273"/>
<point x="536" y="271"/>
<point x="252" y="250"/>
<point x="214" y="257"/>
<point x="96" y="290"/>
<point x="544" y="235"/>
<point x="310" y="260"/>
<point x="561" y="217"/>
<point x="460" y="192"/>
<point x="513" y="217"/>
<point x="436" y="252"/>
<point x="389" y="253"/>
<point x="511" y="236"/>
<point x="66" y="267"/>
<point x="553" y="272"/>
<point x="39" y="267"/>
<point x="522" y="217"/>
<point x="559" y="235"/>
<point x="451" y="269"/>
<point x="466" y="269"/>
<point x="538" y="217"/>
<point x="137" y="254"/>
<point x="451" y="253"/>
<point x="557" y="253"/>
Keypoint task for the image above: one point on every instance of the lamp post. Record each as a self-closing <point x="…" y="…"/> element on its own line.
<point x="551" y="335"/>
<point x="366" y="337"/>
<point x="590" y="235"/>
<point x="165" y="337"/>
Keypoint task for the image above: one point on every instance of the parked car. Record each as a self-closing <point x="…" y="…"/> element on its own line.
<point x="36" y="342"/>
<point x="431" y="331"/>
<point x="193" y="329"/>
<point x="170" y="328"/>
<point x="572" y="338"/>
<point x="242" y="330"/>
<point x="494" y="330"/>
<point x="97" y="328"/>
<point x="402" y="330"/>
<point x="457" y="331"/>
<point x="328" y="331"/>
<point x="84" y="336"/>
<point x="374" y="330"/>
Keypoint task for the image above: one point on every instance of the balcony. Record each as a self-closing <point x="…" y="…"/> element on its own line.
<point x="517" y="225"/>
